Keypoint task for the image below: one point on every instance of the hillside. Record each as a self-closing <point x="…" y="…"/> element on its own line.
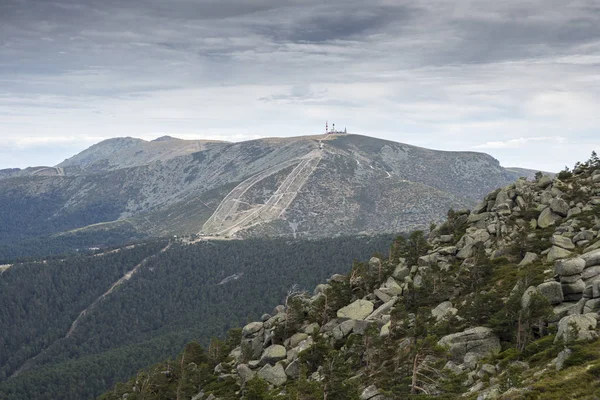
<point x="501" y="302"/>
<point x="74" y="326"/>
<point x="311" y="186"/>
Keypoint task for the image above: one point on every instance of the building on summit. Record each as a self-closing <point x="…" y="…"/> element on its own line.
<point x="333" y="131"/>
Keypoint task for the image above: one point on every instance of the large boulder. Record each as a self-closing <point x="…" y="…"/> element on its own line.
<point x="443" y="310"/>
<point x="293" y="369"/>
<point x="384" y="309"/>
<point x="274" y="375"/>
<point x="562" y="241"/>
<point x="547" y="218"/>
<point x="273" y="354"/>
<point x="591" y="258"/>
<point x="577" y="327"/>
<point x="251" y="329"/>
<point x="552" y="291"/>
<point x="529" y="258"/>
<point x="558" y="253"/>
<point x="360" y="309"/>
<point x="245" y="373"/>
<point x="544" y="182"/>
<point x="401" y="272"/>
<point x="479" y="340"/>
<point x="560" y="207"/>
<point x="571" y="266"/>
<point x="374" y="265"/>
<point x="343" y="329"/>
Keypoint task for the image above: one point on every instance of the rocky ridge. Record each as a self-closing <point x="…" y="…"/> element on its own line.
<point x="494" y="304"/>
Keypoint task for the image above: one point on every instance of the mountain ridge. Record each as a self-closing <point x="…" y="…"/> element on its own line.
<point x="173" y="187"/>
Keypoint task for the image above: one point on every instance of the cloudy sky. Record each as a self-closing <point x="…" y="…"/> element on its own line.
<point x="519" y="79"/>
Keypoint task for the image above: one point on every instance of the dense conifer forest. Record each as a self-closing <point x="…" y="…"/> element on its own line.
<point x="189" y="292"/>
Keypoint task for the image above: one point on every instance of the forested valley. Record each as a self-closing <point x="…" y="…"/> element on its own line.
<point x="180" y="293"/>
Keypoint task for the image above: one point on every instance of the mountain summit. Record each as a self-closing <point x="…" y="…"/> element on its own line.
<point x="306" y="186"/>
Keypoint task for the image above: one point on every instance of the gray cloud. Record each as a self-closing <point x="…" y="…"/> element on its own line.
<point x="450" y="75"/>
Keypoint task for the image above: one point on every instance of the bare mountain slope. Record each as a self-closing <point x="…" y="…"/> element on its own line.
<point x="127" y="152"/>
<point x="307" y="186"/>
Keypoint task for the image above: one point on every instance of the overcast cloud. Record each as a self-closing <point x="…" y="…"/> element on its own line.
<point x="519" y="79"/>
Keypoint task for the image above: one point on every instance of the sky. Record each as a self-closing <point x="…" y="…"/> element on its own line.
<point x="518" y="79"/>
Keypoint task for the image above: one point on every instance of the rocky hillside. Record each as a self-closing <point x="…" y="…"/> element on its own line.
<point x="500" y="302"/>
<point x="304" y="186"/>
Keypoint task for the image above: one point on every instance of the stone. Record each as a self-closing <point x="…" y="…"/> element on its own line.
<point x="297" y="338"/>
<point x="573" y="212"/>
<point x="251" y="329"/>
<point x="401" y="272"/>
<point x="558" y="253"/>
<point x="527" y="295"/>
<point x="480" y="236"/>
<point x="466" y="252"/>
<point x="254" y="345"/>
<point x="443" y="310"/>
<point x="570" y="278"/>
<point x="590" y="272"/>
<point x="547" y="218"/>
<point x="585" y="325"/>
<point x="385" y="329"/>
<point x="446" y="238"/>
<point x="393" y="288"/>
<point x="321" y="288"/>
<point x="273" y="354"/>
<point x="310" y="329"/>
<point x="544" y="182"/>
<point x="343" y="329"/>
<point x="562" y="241"/>
<point x="332" y="323"/>
<point x="488" y="369"/>
<point x="552" y="291"/>
<point x="559" y="361"/>
<point x="521" y="202"/>
<point x="560" y="207"/>
<point x="293" y="369"/>
<point x="382" y="296"/>
<point x="571" y="266"/>
<point x="245" y="373"/>
<point x="572" y="288"/>
<point x="479" y="340"/>
<point x="369" y="393"/>
<point x="453" y="367"/>
<point x="447" y="251"/>
<point x="591" y="258"/>
<point x="529" y="258"/>
<point x="374" y="265"/>
<point x="360" y="309"/>
<point x="360" y="327"/>
<point x="591" y="306"/>
<point x="305" y="345"/>
<point x="583" y="235"/>
<point x="383" y="309"/>
<point x="274" y="375"/>
<point x="594" y="246"/>
<point x="470" y="360"/>
<point x="563" y="309"/>
<point x="337" y="278"/>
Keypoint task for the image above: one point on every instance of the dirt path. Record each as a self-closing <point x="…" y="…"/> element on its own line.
<point x="88" y="309"/>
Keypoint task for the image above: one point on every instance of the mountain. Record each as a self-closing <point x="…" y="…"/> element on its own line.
<point x="501" y="302"/>
<point x="310" y="186"/>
